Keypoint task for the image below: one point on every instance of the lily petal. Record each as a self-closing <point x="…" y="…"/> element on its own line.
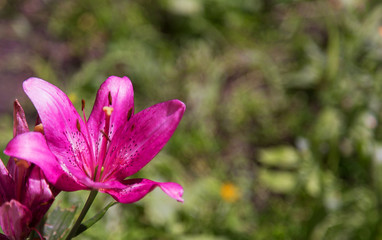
<point x="7" y="185"/>
<point x="64" y="129"/>
<point x="142" y="138"/>
<point x="120" y="92"/>
<point x="20" y="126"/>
<point x="136" y="189"/>
<point x="34" y="149"/>
<point x="3" y="237"/>
<point x="38" y="196"/>
<point x="14" y="220"/>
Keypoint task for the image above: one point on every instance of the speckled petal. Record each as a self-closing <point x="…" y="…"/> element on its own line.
<point x="33" y="148"/>
<point x="122" y="102"/>
<point x="64" y="129"/>
<point x="136" y="189"/>
<point x="142" y="138"/>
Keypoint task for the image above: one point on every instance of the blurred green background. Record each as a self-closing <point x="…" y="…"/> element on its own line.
<point x="281" y="137"/>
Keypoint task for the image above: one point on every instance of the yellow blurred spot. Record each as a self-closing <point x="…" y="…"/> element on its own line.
<point x="73" y="97"/>
<point x="380" y="31"/>
<point x="229" y="192"/>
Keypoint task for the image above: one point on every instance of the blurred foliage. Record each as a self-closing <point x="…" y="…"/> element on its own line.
<point x="281" y="138"/>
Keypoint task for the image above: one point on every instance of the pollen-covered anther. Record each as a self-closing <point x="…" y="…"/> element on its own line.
<point x="83" y="104"/>
<point x="110" y="98"/>
<point x="21" y="163"/>
<point x="78" y="125"/>
<point x="39" y="128"/>
<point x="108" y="110"/>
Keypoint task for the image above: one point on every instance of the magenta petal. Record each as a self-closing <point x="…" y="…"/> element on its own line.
<point x="38" y="196"/>
<point x="14" y="220"/>
<point x="60" y="121"/>
<point x="142" y="138"/>
<point x="136" y="189"/>
<point x="122" y="102"/>
<point x="3" y="237"/>
<point x="7" y="185"/>
<point x="20" y="126"/>
<point x="33" y="148"/>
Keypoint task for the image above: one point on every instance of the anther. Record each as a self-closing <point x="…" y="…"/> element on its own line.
<point x="39" y="128"/>
<point x="108" y="110"/>
<point x="21" y="163"/>
<point x="129" y="114"/>
<point x="110" y="99"/>
<point x="83" y="104"/>
<point x="78" y="125"/>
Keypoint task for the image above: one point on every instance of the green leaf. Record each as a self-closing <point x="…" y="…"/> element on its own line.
<point x="90" y="222"/>
<point x="58" y="222"/>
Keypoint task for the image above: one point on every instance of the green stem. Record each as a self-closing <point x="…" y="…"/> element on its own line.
<point x="87" y="205"/>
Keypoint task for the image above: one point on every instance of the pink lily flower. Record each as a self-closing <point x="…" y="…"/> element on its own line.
<point x="25" y="194"/>
<point x="102" y="151"/>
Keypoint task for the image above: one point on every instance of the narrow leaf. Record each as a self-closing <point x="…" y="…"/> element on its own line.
<point x="90" y="222"/>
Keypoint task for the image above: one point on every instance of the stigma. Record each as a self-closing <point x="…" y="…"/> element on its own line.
<point x="108" y="110"/>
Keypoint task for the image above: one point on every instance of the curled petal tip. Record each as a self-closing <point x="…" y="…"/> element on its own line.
<point x="174" y="190"/>
<point x="176" y="108"/>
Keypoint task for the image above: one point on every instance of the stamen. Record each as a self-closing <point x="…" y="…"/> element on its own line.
<point x="21" y="163"/>
<point x="78" y="125"/>
<point x="129" y="114"/>
<point x="110" y="99"/>
<point x="88" y="141"/>
<point x="83" y="104"/>
<point x="108" y="110"/>
<point x="39" y="128"/>
<point x="105" y="140"/>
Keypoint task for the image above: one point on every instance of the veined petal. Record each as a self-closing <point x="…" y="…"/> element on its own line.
<point x="136" y="189"/>
<point x="142" y="138"/>
<point x="14" y="220"/>
<point x="33" y="148"/>
<point x="7" y="185"/>
<point x="64" y="129"/>
<point x="120" y="92"/>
